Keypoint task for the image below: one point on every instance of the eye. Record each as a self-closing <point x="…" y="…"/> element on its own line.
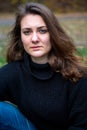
<point x="27" y="32"/>
<point x="43" y="31"/>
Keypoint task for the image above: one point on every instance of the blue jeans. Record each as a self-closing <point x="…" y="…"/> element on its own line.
<point x="12" y="119"/>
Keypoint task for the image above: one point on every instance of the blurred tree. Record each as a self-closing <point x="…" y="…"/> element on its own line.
<point x="61" y="6"/>
<point x="23" y="1"/>
<point x="67" y="5"/>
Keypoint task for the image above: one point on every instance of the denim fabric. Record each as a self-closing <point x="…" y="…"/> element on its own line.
<point x="12" y="119"/>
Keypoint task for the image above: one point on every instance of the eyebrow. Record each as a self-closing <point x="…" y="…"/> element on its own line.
<point x="27" y="28"/>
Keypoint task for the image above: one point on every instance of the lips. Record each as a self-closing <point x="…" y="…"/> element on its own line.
<point x="35" y="48"/>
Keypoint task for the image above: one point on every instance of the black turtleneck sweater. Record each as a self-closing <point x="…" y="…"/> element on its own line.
<point x="44" y="97"/>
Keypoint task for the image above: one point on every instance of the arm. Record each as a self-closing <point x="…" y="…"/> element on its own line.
<point x="3" y="82"/>
<point x="78" y="110"/>
<point x="8" y="79"/>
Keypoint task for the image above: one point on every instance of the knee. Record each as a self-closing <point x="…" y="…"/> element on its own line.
<point x="5" y="106"/>
<point x="6" y="109"/>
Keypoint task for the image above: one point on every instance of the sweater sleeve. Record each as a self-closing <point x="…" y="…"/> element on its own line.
<point x="7" y="78"/>
<point x="78" y="107"/>
<point x="3" y="82"/>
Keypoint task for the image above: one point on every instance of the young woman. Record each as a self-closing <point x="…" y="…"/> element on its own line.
<point x="44" y="82"/>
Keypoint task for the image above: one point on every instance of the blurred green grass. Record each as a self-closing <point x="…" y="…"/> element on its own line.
<point x="82" y="51"/>
<point x="2" y="53"/>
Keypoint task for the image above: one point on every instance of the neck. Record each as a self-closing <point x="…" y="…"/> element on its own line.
<point x="40" y="60"/>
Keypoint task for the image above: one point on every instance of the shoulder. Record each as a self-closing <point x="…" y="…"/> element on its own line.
<point x="79" y="89"/>
<point x="8" y="70"/>
<point x="82" y="82"/>
<point x="8" y="67"/>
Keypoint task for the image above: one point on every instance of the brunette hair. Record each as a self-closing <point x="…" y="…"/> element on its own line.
<point x="62" y="57"/>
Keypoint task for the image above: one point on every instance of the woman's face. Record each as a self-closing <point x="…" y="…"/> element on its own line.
<point x="35" y="37"/>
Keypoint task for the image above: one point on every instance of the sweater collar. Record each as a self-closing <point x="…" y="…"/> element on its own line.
<point x="39" y="71"/>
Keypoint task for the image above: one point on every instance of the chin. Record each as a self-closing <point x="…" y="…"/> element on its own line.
<point x="37" y="55"/>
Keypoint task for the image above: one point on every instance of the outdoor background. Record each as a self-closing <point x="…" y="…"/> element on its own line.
<point x="72" y="15"/>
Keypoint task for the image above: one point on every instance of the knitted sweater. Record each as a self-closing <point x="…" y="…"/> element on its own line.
<point x="50" y="101"/>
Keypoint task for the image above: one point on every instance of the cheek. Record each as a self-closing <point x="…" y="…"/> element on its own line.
<point x="25" y="41"/>
<point x="47" y="42"/>
<point x="49" y="46"/>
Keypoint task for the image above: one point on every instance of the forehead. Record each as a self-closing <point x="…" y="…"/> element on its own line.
<point x="32" y="20"/>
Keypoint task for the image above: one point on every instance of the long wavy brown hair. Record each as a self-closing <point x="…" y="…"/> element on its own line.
<point x="62" y="57"/>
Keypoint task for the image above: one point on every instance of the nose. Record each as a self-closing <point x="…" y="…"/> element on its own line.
<point x="35" y="37"/>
